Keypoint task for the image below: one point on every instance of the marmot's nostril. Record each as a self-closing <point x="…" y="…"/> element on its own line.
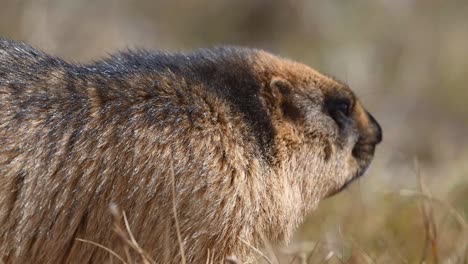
<point x="377" y="129"/>
<point x="378" y="132"/>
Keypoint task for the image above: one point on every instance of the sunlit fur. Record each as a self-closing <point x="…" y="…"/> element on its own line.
<point x="245" y="135"/>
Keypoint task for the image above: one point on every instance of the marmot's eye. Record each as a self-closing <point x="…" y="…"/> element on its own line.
<point x="339" y="109"/>
<point x="339" y="106"/>
<point x="342" y="106"/>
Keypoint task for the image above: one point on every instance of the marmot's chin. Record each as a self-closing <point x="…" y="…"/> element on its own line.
<point x="363" y="165"/>
<point x="344" y="186"/>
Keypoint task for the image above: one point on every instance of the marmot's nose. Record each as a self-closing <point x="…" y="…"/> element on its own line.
<point x="376" y="129"/>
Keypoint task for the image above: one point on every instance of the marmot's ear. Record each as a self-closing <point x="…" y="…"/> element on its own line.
<point x="282" y="97"/>
<point x="280" y="88"/>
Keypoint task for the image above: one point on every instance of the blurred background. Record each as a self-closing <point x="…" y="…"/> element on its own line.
<point x="406" y="59"/>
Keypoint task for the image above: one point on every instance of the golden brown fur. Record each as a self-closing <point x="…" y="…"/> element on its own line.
<point x="253" y="141"/>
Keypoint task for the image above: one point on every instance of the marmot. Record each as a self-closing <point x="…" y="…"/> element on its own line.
<point x="253" y="142"/>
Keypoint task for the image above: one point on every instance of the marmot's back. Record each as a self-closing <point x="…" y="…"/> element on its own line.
<point x="252" y="141"/>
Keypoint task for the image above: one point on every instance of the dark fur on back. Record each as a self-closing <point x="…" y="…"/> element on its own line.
<point x="223" y="72"/>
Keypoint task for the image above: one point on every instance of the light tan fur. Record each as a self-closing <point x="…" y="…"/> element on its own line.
<point x="65" y="161"/>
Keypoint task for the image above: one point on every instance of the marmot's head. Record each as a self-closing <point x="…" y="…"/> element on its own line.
<point x="325" y="137"/>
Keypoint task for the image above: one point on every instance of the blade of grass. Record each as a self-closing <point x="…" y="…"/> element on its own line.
<point x="174" y="211"/>
<point x="256" y="250"/>
<point x="103" y="247"/>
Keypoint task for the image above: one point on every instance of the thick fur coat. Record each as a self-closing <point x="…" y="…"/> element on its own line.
<point x="252" y="141"/>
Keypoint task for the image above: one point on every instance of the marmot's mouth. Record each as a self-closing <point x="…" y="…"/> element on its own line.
<point x="347" y="183"/>
<point x="363" y="151"/>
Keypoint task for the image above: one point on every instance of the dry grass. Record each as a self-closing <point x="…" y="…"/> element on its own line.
<point x="125" y="235"/>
